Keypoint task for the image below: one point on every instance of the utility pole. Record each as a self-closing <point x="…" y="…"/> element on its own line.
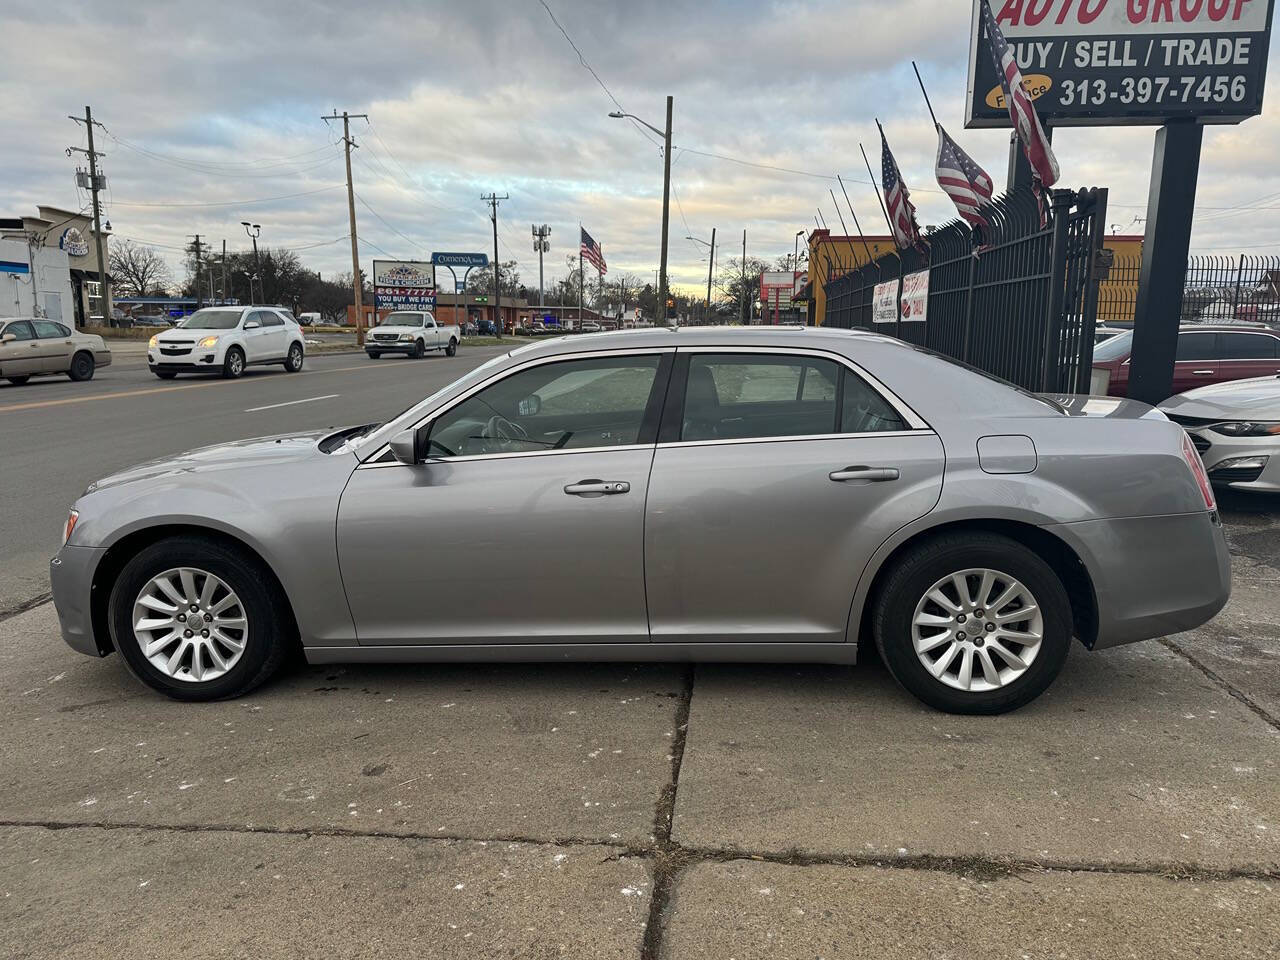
<point x="199" y="265"/>
<point x="743" y="312"/>
<point x="253" y="230"/>
<point x="711" y="265"/>
<point x="666" y="208"/>
<point x="351" y="213"/>
<point x="493" y="200"/>
<point x="541" y="244"/>
<point x="95" y="184"/>
<point x="224" y="272"/>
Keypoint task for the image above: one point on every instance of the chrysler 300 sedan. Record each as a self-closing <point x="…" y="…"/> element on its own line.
<point x="709" y="494"/>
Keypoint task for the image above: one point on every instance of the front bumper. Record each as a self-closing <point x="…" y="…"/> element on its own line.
<point x="390" y="346"/>
<point x="71" y="576"/>
<point x="195" y="360"/>
<point x="1217" y="449"/>
<point x="1152" y="576"/>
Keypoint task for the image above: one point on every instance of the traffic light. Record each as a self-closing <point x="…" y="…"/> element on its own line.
<point x="671" y="308"/>
<point x="481" y="300"/>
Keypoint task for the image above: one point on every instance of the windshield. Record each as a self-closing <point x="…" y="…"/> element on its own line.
<point x="1113" y="349"/>
<point x="211" y="319"/>
<point x="402" y="320"/>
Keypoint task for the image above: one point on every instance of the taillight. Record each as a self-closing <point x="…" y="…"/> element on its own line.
<point x="1192" y="456"/>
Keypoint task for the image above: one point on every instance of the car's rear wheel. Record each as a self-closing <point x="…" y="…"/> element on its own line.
<point x="233" y="363"/>
<point x="199" y="620"/>
<point x="972" y="623"/>
<point x="293" y="362"/>
<point x="165" y="374"/>
<point x="451" y="349"/>
<point x="82" y="366"/>
<point x="18" y="381"/>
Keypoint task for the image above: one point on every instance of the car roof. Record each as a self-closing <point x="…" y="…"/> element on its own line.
<point x="762" y="336"/>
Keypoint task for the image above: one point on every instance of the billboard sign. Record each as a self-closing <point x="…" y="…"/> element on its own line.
<point x="1113" y="62"/>
<point x="403" y="285"/>
<point x="915" y="296"/>
<point x="460" y="259"/>
<point x="776" y="288"/>
<point x="884" y="302"/>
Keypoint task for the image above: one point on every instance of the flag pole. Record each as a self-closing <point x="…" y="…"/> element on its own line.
<point x="866" y="246"/>
<point x="926" y="94"/>
<point x="875" y="186"/>
<point x="839" y="259"/>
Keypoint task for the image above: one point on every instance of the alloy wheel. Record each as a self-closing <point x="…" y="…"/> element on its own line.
<point x="977" y="630"/>
<point x="190" y="624"/>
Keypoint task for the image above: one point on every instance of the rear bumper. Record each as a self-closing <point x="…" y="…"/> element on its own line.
<point x="1152" y="576"/>
<point x="71" y="576"/>
<point x="102" y="358"/>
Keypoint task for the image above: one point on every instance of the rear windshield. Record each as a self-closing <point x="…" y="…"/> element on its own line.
<point x="1114" y="348"/>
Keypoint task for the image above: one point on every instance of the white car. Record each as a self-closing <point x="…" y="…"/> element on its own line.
<point x="413" y="333"/>
<point x="1236" y="428"/>
<point x="226" y="340"/>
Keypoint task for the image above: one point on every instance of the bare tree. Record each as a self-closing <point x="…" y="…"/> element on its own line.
<point x="139" y="270"/>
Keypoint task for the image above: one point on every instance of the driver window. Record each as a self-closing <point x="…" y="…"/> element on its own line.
<point x="572" y="404"/>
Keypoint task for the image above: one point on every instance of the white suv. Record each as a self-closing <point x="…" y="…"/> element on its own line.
<point x="227" y="339"/>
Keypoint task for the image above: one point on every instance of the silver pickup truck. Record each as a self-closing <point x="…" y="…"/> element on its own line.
<point x="412" y="332"/>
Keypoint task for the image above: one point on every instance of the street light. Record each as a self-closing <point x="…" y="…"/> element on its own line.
<point x="252" y="277"/>
<point x="666" y="189"/>
<point x="253" y="230"/>
<point x="711" y="266"/>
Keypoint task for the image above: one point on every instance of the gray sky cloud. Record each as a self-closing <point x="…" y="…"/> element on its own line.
<point x="214" y="104"/>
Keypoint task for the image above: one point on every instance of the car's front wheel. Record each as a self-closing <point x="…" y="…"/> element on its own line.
<point x="18" y="381"/>
<point x="293" y="362"/>
<point x="233" y="363"/>
<point x="973" y="623"/>
<point x="419" y="350"/>
<point x="165" y="374"/>
<point x="199" y="620"/>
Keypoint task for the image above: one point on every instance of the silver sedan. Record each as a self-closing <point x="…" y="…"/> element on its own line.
<point x="709" y="494"/>
<point x="36" y="347"/>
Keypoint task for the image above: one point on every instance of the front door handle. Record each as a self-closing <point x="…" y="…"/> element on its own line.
<point x="597" y="488"/>
<point x="866" y="474"/>
<point x="1202" y="373"/>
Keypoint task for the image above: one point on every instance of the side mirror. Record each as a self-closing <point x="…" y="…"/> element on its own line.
<point x="530" y="406"/>
<point x="252" y="325"/>
<point x="8" y="338"/>
<point x="404" y="447"/>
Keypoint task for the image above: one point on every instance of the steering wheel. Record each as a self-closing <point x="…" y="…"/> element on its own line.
<point x="504" y="431"/>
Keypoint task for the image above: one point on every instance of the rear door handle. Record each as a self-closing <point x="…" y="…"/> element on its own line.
<point x="1202" y="373"/>
<point x="597" y="488"/>
<point x="868" y="474"/>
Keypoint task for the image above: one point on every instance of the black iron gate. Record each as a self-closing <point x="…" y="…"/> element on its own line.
<point x="1021" y="304"/>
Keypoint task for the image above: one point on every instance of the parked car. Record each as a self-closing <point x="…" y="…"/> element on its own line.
<point x="151" y="320"/>
<point x="1236" y="428"/>
<point x="413" y="333"/>
<point x="717" y="494"/>
<point x="589" y="326"/>
<point x="309" y="319"/>
<point x="32" y="347"/>
<point x="1207" y="353"/>
<point x="1106" y="333"/>
<point x="226" y="340"/>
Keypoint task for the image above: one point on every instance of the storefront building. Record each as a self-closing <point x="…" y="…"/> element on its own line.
<point x="72" y="233"/>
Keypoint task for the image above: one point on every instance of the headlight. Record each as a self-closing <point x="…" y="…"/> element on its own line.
<point x="208" y="342"/>
<point x="406" y="336"/>
<point x="155" y="338"/>
<point x="1247" y="428"/>
<point x="72" y="517"/>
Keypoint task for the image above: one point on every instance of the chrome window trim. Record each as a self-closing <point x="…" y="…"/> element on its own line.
<point x="914" y="421"/>
<point x="418" y="424"/>
<point x="866" y="435"/>
<point x="521" y="454"/>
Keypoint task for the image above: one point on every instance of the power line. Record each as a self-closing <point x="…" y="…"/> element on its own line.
<point x="258" y="162"/>
<point x="225" y="203"/>
<point x="415" y="244"/>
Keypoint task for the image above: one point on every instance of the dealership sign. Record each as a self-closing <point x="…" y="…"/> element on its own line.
<point x="884" y="302"/>
<point x="1108" y="62"/>
<point x="460" y="259"/>
<point x="403" y="285"/>
<point x="915" y="296"/>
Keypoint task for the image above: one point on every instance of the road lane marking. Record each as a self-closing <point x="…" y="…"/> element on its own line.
<point x="290" y="403"/>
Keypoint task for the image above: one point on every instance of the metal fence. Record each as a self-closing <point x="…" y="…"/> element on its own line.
<point x="1020" y="304"/>
<point x="1216" y="288"/>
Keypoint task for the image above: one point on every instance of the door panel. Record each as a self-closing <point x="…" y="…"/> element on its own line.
<point x="493" y="550"/>
<point x="753" y="541"/>
<point x="20" y="357"/>
<point x="1197" y="361"/>
<point x="55" y="346"/>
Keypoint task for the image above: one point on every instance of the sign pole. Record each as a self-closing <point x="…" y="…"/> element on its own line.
<point x="1170" y="206"/>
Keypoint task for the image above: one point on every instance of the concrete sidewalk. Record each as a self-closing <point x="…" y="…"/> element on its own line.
<point x="653" y="811"/>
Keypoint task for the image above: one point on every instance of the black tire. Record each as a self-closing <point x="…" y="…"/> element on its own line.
<point x="270" y="637"/>
<point x="374" y="354"/>
<point x="452" y="349"/>
<point x="233" y="363"/>
<point x="82" y="366"/>
<point x="19" y="381"/>
<point x="293" y="362"/>
<point x="165" y="374"/>
<point x="419" y="350"/>
<point x="914" y="574"/>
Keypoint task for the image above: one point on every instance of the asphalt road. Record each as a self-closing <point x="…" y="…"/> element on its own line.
<point x="56" y="437"/>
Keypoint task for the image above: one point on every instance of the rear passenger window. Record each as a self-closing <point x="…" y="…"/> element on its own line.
<point x="1196" y="346"/>
<point x="1246" y="346"/>
<point x="47" y="329"/>
<point x="270" y="318"/>
<point x="864" y="411"/>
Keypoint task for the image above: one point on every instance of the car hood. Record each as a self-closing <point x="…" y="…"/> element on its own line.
<point x="385" y="328"/>
<point x="1257" y="399"/>
<point x="188" y="333"/>
<point x="262" y="451"/>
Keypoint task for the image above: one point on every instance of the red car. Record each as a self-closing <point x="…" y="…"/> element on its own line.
<point x="1206" y="354"/>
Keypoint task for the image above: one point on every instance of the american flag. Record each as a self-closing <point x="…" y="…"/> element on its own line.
<point x="902" y="214"/>
<point x="966" y="183"/>
<point x="1022" y="111"/>
<point x="592" y="253"/>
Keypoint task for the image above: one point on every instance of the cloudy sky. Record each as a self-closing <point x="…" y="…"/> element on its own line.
<point x="212" y="116"/>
